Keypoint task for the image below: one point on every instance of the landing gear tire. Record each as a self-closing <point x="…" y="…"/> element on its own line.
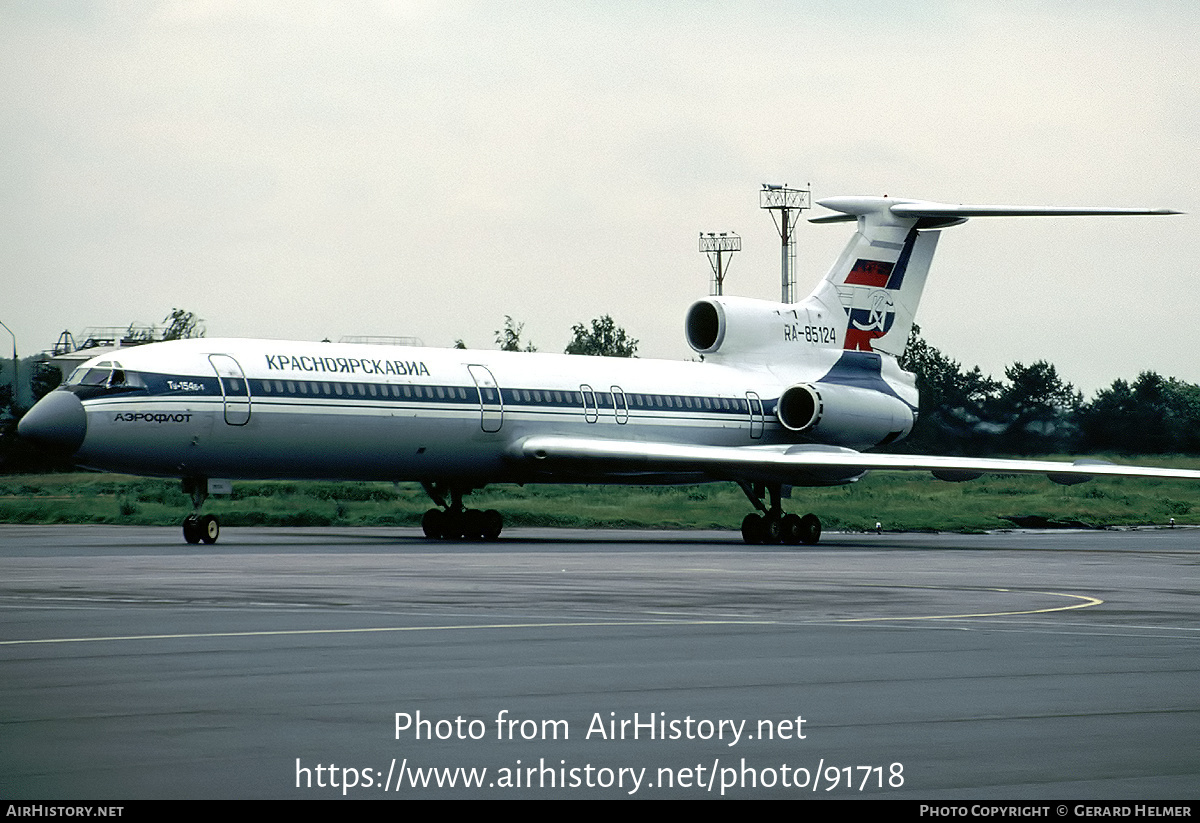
<point x="452" y="526"/>
<point x="210" y="529"/>
<point x="766" y="528"/>
<point x="472" y="524"/>
<point x="191" y="529"/>
<point x="493" y="524"/>
<point x="772" y="529"/>
<point x="791" y="527"/>
<point x="752" y="529"/>
<point x="431" y="523"/>
<point x="810" y="530"/>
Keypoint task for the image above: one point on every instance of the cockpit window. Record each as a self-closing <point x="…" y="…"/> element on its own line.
<point x="126" y="380"/>
<point x="96" y="377"/>
<point x="105" y="376"/>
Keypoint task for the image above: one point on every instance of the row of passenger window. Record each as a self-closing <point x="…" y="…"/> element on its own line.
<point x="111" y="377"/>
<point x="536" y="397"/>
<point x="321" y="389"/>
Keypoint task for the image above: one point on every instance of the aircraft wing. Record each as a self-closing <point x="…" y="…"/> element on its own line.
<point x="801" y="465"/>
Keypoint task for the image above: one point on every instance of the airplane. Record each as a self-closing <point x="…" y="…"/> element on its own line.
<point x="784" y="395"/>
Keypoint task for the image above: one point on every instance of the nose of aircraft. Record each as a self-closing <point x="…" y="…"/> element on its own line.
<point x="57" y="423"/>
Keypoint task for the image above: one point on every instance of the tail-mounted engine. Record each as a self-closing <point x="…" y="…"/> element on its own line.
<point x="844" y="415"/>
<point x="735" y="325"/>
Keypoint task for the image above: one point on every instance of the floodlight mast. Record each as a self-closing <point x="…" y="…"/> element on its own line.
<point x="785" y="206"/>
<point x="716" y="246"/>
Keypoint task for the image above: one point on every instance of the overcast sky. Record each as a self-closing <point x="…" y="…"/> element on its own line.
<point x="307" y="170"/>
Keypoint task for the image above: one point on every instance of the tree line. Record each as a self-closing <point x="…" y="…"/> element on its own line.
<point x="603" y="339"/>
<point x="1034" y="411"/>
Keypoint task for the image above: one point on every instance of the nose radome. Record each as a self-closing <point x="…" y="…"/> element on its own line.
<point x="57" y="422"/>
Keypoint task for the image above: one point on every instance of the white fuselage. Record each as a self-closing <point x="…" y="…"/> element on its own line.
<point x="285" y="409"/>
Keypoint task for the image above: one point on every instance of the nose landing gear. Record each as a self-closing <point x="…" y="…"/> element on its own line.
<point x="199" y="527"/>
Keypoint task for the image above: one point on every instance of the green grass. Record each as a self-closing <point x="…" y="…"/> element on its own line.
<point x="900" y="501"/>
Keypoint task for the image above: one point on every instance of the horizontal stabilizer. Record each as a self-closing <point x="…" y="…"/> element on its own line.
<point x="834" y="218"/>
<point x="945" y="210"/>
<point x="878" y="280"/>
<point x="854" y="206"/>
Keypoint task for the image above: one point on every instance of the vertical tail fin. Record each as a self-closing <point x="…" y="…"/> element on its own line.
<point x="877" y="281"/>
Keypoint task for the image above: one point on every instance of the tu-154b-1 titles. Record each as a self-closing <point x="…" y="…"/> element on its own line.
<point x="787" y="394"/>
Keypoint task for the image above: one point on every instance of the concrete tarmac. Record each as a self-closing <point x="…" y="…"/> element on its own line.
<point x="371" y="663"/>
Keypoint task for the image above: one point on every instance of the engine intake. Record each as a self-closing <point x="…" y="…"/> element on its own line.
<point x="850" y="416"/>
<point x="735" y="325"/>
<point x="705" y="326"/>
<point x="799" y="407"/>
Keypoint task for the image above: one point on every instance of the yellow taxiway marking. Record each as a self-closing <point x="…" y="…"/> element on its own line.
<point x="380" y="629"/>
<point x="1084" y="602"/>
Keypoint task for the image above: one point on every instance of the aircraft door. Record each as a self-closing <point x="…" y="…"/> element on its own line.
<point x="591" y="409"/>
<point x="620" y="405"/>
<point x="757" y="420"/>
<point x="491" y="404"/>
<point x="235" y="388"/>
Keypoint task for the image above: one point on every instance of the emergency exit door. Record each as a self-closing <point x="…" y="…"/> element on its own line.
<point x="234" y="388"/>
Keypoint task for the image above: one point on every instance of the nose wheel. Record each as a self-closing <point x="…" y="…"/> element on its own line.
<point x="199" y="528"/>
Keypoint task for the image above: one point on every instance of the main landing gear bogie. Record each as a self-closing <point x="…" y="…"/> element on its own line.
<point x="772" y="525"/>
<point x="454" y="521"/>
<point x="468" y="524"/>
<point x="790" y="529"/>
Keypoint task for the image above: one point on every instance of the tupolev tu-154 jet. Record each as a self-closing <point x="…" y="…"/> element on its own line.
<point x="785" y="395"/>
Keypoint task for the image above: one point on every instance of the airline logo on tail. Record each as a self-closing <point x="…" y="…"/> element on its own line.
<point x="868" y="304"/>
<point x="872" y="273"/>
